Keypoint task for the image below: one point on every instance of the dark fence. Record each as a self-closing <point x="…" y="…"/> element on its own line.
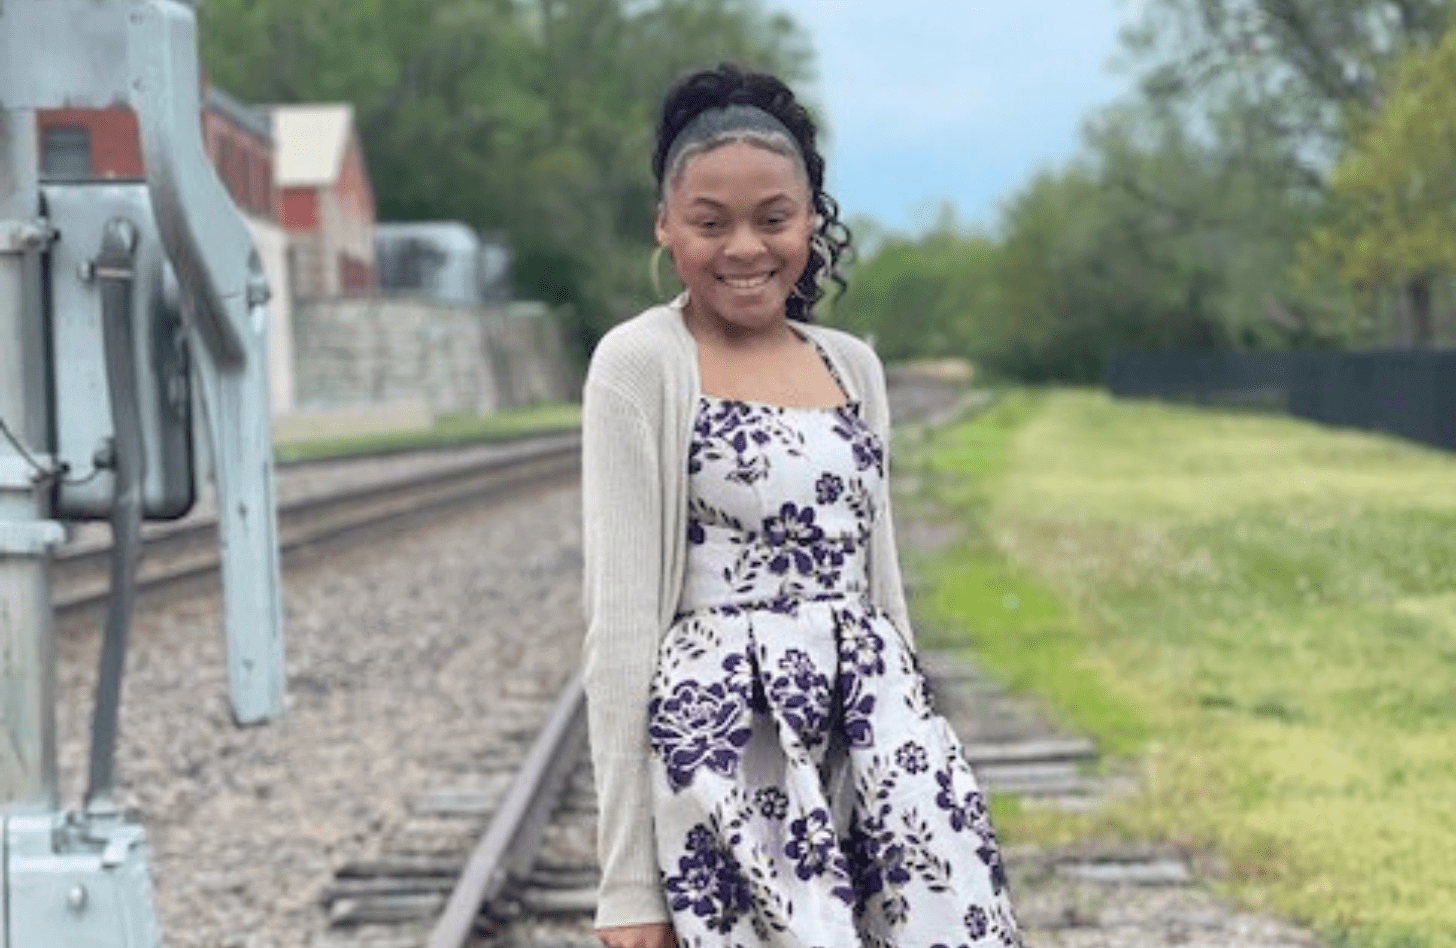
<point x="1411" y="393"/>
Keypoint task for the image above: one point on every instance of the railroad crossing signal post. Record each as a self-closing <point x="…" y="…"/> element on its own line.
<point x="27" y="677"/>
<point x="95" y="372"/>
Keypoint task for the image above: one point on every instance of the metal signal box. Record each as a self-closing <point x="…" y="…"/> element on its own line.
<point x="81" y="415"/>
<point x="76" y="882"/>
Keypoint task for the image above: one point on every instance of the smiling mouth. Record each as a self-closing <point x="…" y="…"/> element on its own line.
<point x="752" y="282"/>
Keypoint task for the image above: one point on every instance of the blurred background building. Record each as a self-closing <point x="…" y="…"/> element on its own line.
<point x="371" y="326"/>
<point x="327" y="203"/>
<point x="442" y="260"/>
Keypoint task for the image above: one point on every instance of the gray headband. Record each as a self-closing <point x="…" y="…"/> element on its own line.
<point x="726" y="123"/>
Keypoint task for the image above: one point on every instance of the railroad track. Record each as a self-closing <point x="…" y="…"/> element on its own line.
<point x="469" y="867"/>
<point x="472" y="869"/>
<point x="513" y="892"/>
<point x="430" y="891"/>
<point x="502" y="856"/>
<point x="471" y="843"/>
<point x="187" y="550"/>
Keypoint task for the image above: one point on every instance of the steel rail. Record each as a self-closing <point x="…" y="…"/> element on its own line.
<point x="186" y="551"/>
<point x="506" y="851"/>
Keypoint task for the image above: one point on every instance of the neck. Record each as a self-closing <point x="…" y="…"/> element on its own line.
<point x="716" y="331"/>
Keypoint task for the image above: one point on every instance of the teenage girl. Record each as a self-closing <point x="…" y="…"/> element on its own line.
<point x="769" y="768"/>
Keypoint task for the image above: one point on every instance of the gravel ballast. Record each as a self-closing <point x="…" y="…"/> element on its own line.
<point x="411" y="662"/>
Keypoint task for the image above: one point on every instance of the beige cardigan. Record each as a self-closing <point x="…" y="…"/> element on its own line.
<point x="637" y="414"/>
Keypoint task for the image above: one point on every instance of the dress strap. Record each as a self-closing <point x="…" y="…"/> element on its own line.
<point x="833" y="369"/>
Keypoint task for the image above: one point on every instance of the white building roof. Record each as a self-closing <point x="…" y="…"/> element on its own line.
<point x="309" y="143"/>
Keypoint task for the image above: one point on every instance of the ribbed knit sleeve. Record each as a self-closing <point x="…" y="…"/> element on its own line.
<point x="623" y="527"/>
<point x="887" y="584"/>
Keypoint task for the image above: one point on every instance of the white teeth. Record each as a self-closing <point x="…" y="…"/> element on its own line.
<point x="747" y="282"/>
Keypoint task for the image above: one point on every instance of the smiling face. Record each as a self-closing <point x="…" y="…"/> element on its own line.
<point x="737" y="221"/>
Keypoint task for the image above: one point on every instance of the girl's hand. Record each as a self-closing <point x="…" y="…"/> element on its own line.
<point x="657" y="935"/>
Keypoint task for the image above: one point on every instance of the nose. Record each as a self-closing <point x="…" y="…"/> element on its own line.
<point x="744" y="243"/>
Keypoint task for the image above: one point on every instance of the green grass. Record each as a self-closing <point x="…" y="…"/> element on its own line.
<point x="978" y="599"/>
<point x="1259" y="611"/>
<point x="448" y="431"/>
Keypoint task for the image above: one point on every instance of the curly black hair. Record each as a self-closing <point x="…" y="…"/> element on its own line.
<point x="732" y="84"/>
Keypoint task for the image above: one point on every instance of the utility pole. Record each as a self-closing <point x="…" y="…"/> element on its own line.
<point x="27" y="662"/>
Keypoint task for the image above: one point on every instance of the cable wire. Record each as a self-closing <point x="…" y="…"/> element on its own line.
<point x="45" y="473"/>
<point x="57" y="473"/>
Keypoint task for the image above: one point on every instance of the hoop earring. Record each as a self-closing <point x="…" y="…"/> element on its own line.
<point x="820" y="246"/>
<point x="654" y="265"/>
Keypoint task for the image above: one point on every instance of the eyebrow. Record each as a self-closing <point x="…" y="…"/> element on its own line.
<point x="781" y="196"/>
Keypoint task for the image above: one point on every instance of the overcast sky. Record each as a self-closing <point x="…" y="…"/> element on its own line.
<point x="959" y="100"/>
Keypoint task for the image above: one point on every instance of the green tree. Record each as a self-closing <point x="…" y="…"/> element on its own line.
<point x="921" y="297"/>
<point x="1392" y="219"/>
<point x="1255" y="72"/>
<point x="1274" y="90"/>
<point x="1220" y="221"/>
<point x="1085" y="269"/>
<point x="532" y="117"/>
<point x="1181" y="223"/>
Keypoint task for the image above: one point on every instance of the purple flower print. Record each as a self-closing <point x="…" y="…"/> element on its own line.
<point x="967" y="811"/>
<point x="698" y="726"/>
<point x="876" y="857"/>
<point x="709" y="882"/>
<point x="866" y="447"/>
<point x="772" y="802"/>
<point x="815" y="851"/>
<point x="788" y="678"/>
<point x="857" y="710"/>
<point x="911" y="758"/>
<point x="860" y="646"/>
<point x="828" y="488"/>
<point x="791" y="533"/>
<point x="801" y="693"/>
<point x="977" y="922"/>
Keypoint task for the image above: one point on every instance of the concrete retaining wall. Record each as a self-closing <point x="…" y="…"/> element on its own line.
<point x="354" y="353"/>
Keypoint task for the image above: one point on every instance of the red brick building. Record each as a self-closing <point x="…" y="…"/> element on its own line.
<point x="82" y="144"/>
<point x="327" y="203"/>
<point x="239" y="140"/>
<point x="104" y="144"/>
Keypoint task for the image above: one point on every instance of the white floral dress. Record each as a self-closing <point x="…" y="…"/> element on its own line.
<point x="806" y="794"/>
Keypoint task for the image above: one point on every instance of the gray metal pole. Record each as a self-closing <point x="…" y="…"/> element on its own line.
<point x="27" y="660"/>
